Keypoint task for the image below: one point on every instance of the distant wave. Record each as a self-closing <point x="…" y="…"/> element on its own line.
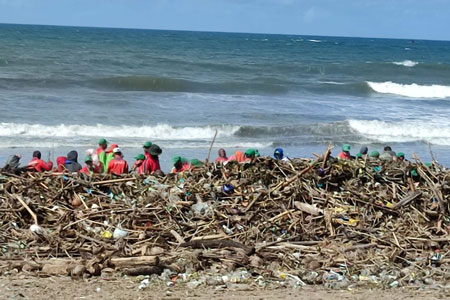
<point x="411" y="90"/>
<point x="406" y="63"/>
<point x="157" y="132"/>
<point x="382" y="131"/>
<point x="163" y="84"/>
<point x="315" y="41"/>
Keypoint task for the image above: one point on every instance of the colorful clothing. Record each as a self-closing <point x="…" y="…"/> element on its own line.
<point x="39" y="165"/>
<point x="91" y="169"/>
<point x="117" y="166"/>
<point x="344" y="155"/>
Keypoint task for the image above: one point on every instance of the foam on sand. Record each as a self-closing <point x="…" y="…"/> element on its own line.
<point x="411" y="90"/>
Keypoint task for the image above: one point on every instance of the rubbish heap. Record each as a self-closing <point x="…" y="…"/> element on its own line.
<point x="306" y="221"/>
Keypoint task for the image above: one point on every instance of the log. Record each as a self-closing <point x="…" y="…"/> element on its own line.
<point x="122" y="262"/>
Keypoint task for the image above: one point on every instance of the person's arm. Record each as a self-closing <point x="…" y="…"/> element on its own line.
<point x="42" y="166"/>
<point x="125" y="168"/>
<point x="110" y="165"/>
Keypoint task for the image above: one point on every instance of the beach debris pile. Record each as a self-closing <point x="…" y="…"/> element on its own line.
<point x="300" y="221"/>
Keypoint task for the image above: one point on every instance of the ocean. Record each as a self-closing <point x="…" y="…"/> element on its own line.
<point x="62" y="88"/>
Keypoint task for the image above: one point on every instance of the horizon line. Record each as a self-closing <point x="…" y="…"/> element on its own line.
<point x="234" y="32"/>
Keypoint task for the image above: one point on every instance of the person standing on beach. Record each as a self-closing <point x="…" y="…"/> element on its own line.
<point x="152" y="159"/>
<point x="117" y="165"/>
<point x="110" y="155"/>
<point x="139" y="166"/>
<point x="146" y="148"/>
<point x="180" y="164"/>
<point x="38" y="165"/>
<point x="101" y="152"/>
<point x="388" y="154"/>
<point x="89" y="167"/>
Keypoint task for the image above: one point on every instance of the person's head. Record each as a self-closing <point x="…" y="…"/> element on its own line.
<point x="88" y="160"/>
<point x="147" y="146"/>
<point x="139" y="159"/>
<point x="346" y="148"/>
<point x="37" y="154"/>
<point x="278" y="153"/>
<point x="251" y="153"/>
<point x="364" y="150"/>
<point x="60" y="160"/>
<point x="72" y="156"/>
<point x="111" y="148"/>
<point x="222" y="153"/>
<point x="103" y="143"/>
<point x="154" y="150"/>
<point x="117" y="152"/>
<point x="375" y="154"/>
<point x="387" y="148"/>
<point x="177" y="162"/>
<point x="400" y="156"/>
<point x="196" y="163"/>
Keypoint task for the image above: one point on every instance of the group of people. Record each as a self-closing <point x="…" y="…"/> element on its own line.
<point x="387" y="154"/>
<point x="110" y="159"/>
<point x="103" y="160"/>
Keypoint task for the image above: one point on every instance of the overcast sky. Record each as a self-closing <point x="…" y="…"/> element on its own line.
<point x="411" y="19"/>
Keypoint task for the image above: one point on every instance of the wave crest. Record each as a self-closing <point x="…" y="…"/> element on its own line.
<point x="411" y="90"/>
<point x="157" y="132"/>
<point x="382" y="131"/>
<point x="406" y="63"/>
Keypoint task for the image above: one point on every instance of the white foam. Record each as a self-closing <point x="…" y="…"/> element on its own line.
<point x="406" y="63"/>
<point x="157" y="132"/>
<point x="411" y="90"/>
<point x="315" y="41"/>
<point x="381" y="131"/>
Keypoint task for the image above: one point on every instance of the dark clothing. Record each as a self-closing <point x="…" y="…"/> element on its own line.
<point x="71" y="163"/>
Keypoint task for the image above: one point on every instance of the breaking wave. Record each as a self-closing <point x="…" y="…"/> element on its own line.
<point x="411" y="90"/>
<point x="157" y="132"/>
<point x="382" y="131"/>
<point x="406" y="63"/>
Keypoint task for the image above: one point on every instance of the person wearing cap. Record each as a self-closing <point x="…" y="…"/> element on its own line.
<point x="117" y="165"/>
<point x="222" y="155"/>
<point x="195" y="163"/>
<point x="345" y="154"/>
<point x="400" y="156"/>
<point x="89" y="166"/>
<point x="146" y="148"/>
<point x="152" y="159"/>
<point x="109" y="156"/>
<point x="362" y="152"/>
<point x="37" y="164"/>
<point x="60" y="160"/>
<point x="251" y="154"/>
<point x="71" y="164"/>
<point x="374" y="155"/>
<point x="180" y="164"/>
<point x="139" y="166"/>
<point x="101" y="152"/>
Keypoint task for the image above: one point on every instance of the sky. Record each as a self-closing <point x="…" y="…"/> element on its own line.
<point x="410" y="19"/>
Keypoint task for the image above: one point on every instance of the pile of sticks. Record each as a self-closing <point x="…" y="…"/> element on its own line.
<point x="300" y="216"/>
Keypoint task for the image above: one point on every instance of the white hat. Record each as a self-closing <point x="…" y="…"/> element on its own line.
<point x="117" y="150"/>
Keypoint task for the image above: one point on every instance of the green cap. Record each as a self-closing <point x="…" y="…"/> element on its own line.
<point x="346" y="147"/>
<point x="147" y="144"/>
<point x="175" y="159"/>
<point x="374" y="153"/>
<point x="414" y="172"/>
<point x="401" y="154"/>
<point x="428" y="164"/>
<point x="251" y="153"/>
<point x="88" y="158"/>
<point x="102" y="141"/>
<point x="140" y="157"/>
<point x="358" y="155"/>
<point x="196" y="162"/>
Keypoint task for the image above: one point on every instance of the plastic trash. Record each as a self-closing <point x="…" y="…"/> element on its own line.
<point x="119" y="233"/>
<point x="144" y="284"/>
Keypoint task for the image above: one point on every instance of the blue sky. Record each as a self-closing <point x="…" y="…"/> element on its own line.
<point x="412" y="19"/>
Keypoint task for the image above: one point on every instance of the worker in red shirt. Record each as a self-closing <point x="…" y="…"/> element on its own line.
<point x="117" y="165"/>
<point x="139" y="165"/>
<point x="38" y="165"/>
<point x="152" y="159"/>
<point x="89" y="167"/>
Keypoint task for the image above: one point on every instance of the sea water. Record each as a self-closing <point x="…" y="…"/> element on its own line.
<point x="63" y="88"/>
